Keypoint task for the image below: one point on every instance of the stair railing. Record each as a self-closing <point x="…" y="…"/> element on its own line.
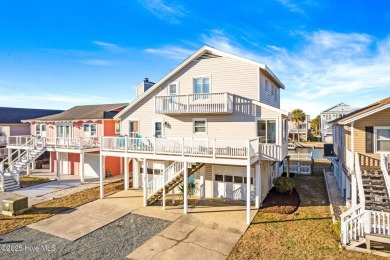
<point x="353" y="224"/>
<point x="12" y="170"/>
<point x="359" y="180"/>
<point x="385" y="171"/>
<point x="164" y="177"/>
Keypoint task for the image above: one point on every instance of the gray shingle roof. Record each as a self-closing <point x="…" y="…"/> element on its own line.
<point x="85" y="112"/>
<point x="12" y="115"/>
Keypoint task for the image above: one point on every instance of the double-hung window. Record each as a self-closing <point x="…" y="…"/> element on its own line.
<point x="90" y="130"/>
<point x="201" y="86"/>
<point x="382" y="138"/>
<point x="199" y="125"/>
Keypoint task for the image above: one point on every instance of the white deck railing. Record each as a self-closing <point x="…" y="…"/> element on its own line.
<point x="58" y="142"/>
<point x="298" y="168"/>
<point x="301" y="156"/>
<point x="194" y="147"/>
<point x="194" y="103"/>
<point x="357" y="222"/>
<point x="273" y="151"/>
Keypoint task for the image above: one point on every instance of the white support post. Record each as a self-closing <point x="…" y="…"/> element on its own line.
<point x="33" y="165"/>
<point x="28" y="169"/>
<point x="354" y="193"/>
<point x="145" y="180"/>
<point x="203" y="184"/>
<point x="185" y="202"/>
<point x="58" y="166"/>
<point x="164" y="191"/>
<point x="136" y="172"/>
<point x="257" y="179"/>
<point x="9" y="156"/>
<point x="101" y="179"/>
<point x="173" y="196"/>
<point x="248" y="193"/>
<point x="126" y="163"/>
<point x="81" y="167"/>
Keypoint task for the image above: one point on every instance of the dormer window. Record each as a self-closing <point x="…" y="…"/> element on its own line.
<point x="202" y="85"/>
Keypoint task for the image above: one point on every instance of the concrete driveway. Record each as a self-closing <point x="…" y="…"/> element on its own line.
<point x="206" y="232"/>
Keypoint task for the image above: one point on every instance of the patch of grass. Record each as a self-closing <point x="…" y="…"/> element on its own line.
<point x="27" y="181"/>
<point x="309" y="233"/>
<point x="56" y="206"/>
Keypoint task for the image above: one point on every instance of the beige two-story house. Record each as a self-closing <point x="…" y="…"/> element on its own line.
<point x="215" y="119"/>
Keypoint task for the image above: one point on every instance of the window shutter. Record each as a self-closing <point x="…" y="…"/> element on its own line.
<point x="369" y="139"/>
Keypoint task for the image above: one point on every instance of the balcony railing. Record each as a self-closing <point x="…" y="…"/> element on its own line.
<point x="194" y="147"/>
<point x="59" y="142"/>
<point x="273" y="152"/>
<point x="194" y="104"/>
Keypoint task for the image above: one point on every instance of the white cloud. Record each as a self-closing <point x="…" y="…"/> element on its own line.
<point x="329" y="68"/>
<point x="169" y="13"/>
<point x="171" y="52"/>
<point x="108" y="46"/>
<point x="290" y="5"/>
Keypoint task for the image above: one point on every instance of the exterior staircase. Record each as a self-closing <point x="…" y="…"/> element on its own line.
<point x="375" y="191"/>
<point x="19" y="161"/>
<point x="170" y="178"/>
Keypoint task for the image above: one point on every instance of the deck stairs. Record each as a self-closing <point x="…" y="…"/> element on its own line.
<point x="19" y="161"/>
<point x="369" y="220"/>
<point x="170" y="178"/>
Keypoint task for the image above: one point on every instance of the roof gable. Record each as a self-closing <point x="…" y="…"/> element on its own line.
<point x="365" y="111"/>
<point x="340" y="108"/>
<point x="202" y="53"/>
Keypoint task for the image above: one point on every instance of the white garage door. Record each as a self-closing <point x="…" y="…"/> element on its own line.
<point x="91" y="165"/>
<point x="230" y="182"/>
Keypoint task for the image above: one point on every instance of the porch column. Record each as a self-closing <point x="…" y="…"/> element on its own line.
<point x="58" y="166"/>
<point x="29" y="169"/>
<point x="288" y="166"/>
<point x="126" y="173"/>
<point x="185" y="199"/>
<point x="9" y="156"/>
<point x="135" y="173"/>
<point x="257" y="179"/>
<point x="248" y="193"/>
<point x="81" y="167"/>
<point x="203" y="184"/>
<point x="164" y="191"/>
<point x="101" y="177"/>
<point x="354" y="193"/>
<point x="145" y="180"/>
<point x="33" y="165"/>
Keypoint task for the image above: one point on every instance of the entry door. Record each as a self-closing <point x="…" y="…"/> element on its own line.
<point x="40" y="129"/>
<point x="158" y="129"/>
<point x="64" y="131"/>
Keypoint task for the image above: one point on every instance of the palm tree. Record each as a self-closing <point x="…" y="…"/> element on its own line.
<point x="315" y="125"/>
<point x="298" y="116"/>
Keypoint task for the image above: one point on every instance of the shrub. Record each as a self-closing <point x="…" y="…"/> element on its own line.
<point x="284" y="184"/>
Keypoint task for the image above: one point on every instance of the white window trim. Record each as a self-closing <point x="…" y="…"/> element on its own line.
<point x="177" y="83"/>
<point x="193" y="126"/>
<point x="277" y="126"/>
<point x="162" y="120"/>
<point x="120" y="127"/>
<point x="133" y="119"/>
<point x="375" y="139"/>
<point x="202" y="76"/>
<point x="90" y="129"/>
<point x="65" y="124"/>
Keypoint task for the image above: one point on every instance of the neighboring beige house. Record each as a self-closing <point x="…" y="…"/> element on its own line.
<point x="217" y="117"/>
<point x="362" y="147"/>
<point x="303" y="129"/>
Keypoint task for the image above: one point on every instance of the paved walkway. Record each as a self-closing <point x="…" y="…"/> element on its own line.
<point x="206" y="231"/>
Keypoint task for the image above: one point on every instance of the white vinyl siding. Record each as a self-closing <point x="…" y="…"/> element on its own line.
<point x="269" y="92"/>
<point x="228" y="75"/>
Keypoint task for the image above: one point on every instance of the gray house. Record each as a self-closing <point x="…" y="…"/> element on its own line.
<point x="331" y="114"/>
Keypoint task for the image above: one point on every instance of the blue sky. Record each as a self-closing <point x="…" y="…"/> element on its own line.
<point x="57" y="54"/>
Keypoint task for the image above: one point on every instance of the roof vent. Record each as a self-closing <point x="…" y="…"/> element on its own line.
<point x="146" y="79"/>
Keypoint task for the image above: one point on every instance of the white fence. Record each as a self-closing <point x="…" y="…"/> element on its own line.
<point x="298" y="168"/>
<point x="194" y="103"/>
<point x="58" y="142"/>
<point x="300" y="156"/>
